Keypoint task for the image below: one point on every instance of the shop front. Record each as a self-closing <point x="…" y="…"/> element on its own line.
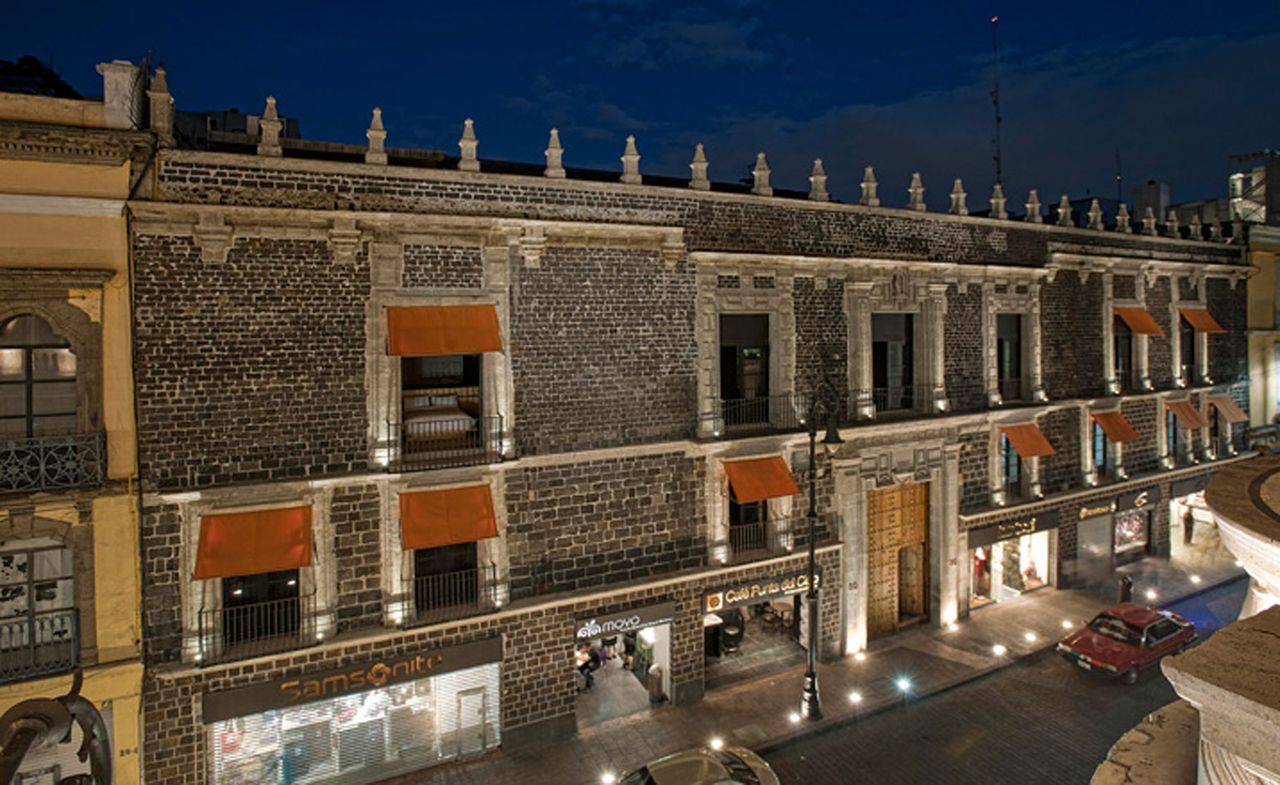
<point x="623" y="661"/>
<point x="1131" y="539"/>
<point x="1012" y="558"/>
<point x="1193" y="532"/>
<point x="360" y="724"/>
<point x="755" y="628"/>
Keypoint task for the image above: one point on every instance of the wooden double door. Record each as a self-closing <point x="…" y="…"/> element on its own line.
<point x="897" y="558"/>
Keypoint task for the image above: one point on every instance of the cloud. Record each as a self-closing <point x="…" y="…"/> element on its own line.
<point x="578" y="111"/>
<point x="715" y="44"/>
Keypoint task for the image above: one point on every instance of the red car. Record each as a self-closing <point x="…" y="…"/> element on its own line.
<point x="1126" y="638"/>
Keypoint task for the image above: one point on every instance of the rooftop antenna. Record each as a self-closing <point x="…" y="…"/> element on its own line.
<point x="995" y="92"/>
<point x="1119" y="180"/>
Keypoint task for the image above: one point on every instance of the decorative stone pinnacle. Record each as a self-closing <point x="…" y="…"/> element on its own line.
<point x="998" y="203"/>
<point x="467" y="144"/>
<point x="915" y="193"/>
<point x="1033" y="207"/>
<point x="1171" y="225"/>
<point x="761" y="175"/>
<point x="377" y="136"/>
<point x="1064" y="211"/>
<point x="269" y="127"/>
<point x="698" y="167"/>
<point x="818" y="183"/>
<point x="631" y="162"/>
<point x="1149" y="222"/>
<point x="555" y="156"/>
<point x="1215" y="231"/>
<point x="161" y="119"/>
<point x="1197" y="228"/>
<point x="1095" y="215"/>
<point x="160" y="83"/>
<point x="869" y="187"/>
<point x="958" y="206"/>
<point x="1124" y="224"/>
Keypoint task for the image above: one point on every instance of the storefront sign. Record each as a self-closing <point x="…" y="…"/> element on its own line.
<point x="1143" y="499"/>
<point x="604" y="625"/>
<point x="1041" y="521"/>
<point x="308" y="687"/>
<point x="1190" y="485"/>
<point x="1094" y="510"/>
<point x="758" y="591"/>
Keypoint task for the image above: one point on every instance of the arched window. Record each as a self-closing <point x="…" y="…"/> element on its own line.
<point x="37" y="380"/>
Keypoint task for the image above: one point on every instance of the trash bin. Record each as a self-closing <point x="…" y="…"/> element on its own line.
<point x="1126" y="589"/>
<point x="655" y="684"/>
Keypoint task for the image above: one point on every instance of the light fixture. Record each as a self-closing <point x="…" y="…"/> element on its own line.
<point x="237" y="592"/>
<point x="1029" y="636"/>
<point x="1195" y="579"/>
<point x="1239" y="563"/>
<point x="293" y="581"/>
<point x="999" y="650"/>
<point x="717" y="743"/>
<point x="608" y="778"/>
<point x="859" y="656"/>
<point x="952" y="627"/>
<point x="855" y="697"/>
<point x="1066" y="624"/>
<point x="1151" y="594"/>
<point x="903" y="683"/>
<point x="794" y="717"/>
<point x="199" y="656"/>
<point x="319" y="636"/>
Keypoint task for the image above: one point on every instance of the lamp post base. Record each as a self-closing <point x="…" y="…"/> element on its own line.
<point x="810" y="706"/>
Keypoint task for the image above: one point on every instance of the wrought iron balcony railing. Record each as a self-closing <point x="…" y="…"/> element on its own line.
<point x="250" y="630"/>
<point x="448" y="441"/>
<point x="39" y="645"/>
<point x="453" y="595"/>
<point x="47" y="462"/>
<point x="759" y="415"/>
<point x="903" y="398"/>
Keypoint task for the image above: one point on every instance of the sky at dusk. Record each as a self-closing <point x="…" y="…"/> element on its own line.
<point x="902" y="86"/>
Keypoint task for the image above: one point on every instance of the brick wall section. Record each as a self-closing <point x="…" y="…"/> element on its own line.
<point x="975" y="483"/>
<point x="161" y="597"/>
<point x="443" y="266"/>
<point x="962" y="340"/>
<point x="356" y="514"/>
<point x="821" y="336"/>
<point x="607" y="521"/>
<point x="1160" y="347"/>
<point x="1071" y="336"/>
<point x="1123" y="287"/>
<point x="1186" y="291"/>
<point x="222" y="344"/>
<point x="603" y="351"/>
<point x="1141" y="456"/>
<point x="1061" y="471"/>
<point x="826" y="527"/>
<point x="1228" y="352"/>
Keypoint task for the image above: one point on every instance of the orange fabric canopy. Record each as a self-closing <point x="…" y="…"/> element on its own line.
<point x="436" y="330"/>
<point x="1028" y="440"/>
<point x="1229" y="408"/>
<point x="758" y="479"/>
<point x="431" y="519"/>
<point x="1187" y="414"/>
<point x="251" y="543"/>
<point x="1139" y="321"/>
<point x="1115" y="426"/>
<point x="1201" y="320"/>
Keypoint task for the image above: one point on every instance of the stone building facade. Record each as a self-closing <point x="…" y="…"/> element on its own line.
<point x="635" y="417"/>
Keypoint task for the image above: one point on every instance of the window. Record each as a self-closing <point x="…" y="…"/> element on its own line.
<point x="1187" y="341"/>
<point x="1216" y="431"/>
<point x="1162" y="629"/>
<point x="38" y="623"/>
<point x="1010" y="468"/>
<point x="1100" y="450"/>
<point x="1131" y="531"/>
<point x="260" y="607"/>
<point x="445" y="578"/>
<point x="892" y="361"/>
<point x="441" y="407"/>
<point x="1171" y="435"/>
<point x="1009" y="356"/>
<point x="37" y="380"/>
<point x="1123" y="354"/>
<point x="748" y="525"/>
<point x="744" y="369"/>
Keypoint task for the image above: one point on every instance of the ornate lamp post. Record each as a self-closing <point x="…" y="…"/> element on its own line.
<point x="823" y="402"/>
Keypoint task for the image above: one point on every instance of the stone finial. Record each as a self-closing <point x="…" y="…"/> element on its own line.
<point x="1095" y="215"/>
<point x="958" y="206"/>
<point x="1171" y="225"/>
<point x="631" y="162"/>
<point x="915" y="193"/>
<point x="761" y="175"/>
<point x="698" y="167"/>
<point x="1149" y="222"/>
<point x="818" y="183"/>
<point x="161" y="103"/>
<point x="1197" y="228"/>
<point x="467" y="144"/>
<point x="269" y="127"/>
<point x="377" y="136"/>
<point x="1215" y="231"/>
<point x="869" y="186"/>
<point x="999" y="202"/>
<point x="555" y="157"/>
<point x="1124" y="224"/>
<point x="1064" y="211"/>
<point x="1033" y="207"/>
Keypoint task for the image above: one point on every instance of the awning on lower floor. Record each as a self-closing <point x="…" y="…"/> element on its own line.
<point x="1028" y="440"/>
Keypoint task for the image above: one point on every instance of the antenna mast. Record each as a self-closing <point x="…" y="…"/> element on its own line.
<point x="1119" y="179"/>
<point x="995" y="93"/>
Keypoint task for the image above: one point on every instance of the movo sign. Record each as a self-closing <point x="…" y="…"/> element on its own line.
<point x="310" y="687"/>
<point x="604" y="625"/>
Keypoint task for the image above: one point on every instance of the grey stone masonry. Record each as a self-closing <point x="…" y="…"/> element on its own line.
<point x="962" y="336"/>
<point x="975" y="485"/>
<point x="357" y="523"/>
<point x="1142" y="455"/>
<point x="443" y="266"/>
<point x="821" y="334"/>
<point x="1072" y="340"/>
<point x="1228" y="352"/>
<point x="1061" y="471"/>
<point x="1160" y="348"/>
<point x="161" y="596"/>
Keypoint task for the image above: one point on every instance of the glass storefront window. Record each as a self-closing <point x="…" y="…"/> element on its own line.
<point x="1008" y="568"/>
<point x="1131" y="530"/>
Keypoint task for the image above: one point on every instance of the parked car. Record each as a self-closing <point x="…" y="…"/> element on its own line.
<point x="1125" y="638"/>
<point x="705" y="766"/>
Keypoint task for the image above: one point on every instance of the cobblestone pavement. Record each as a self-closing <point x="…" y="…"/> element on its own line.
<point x="1041" y="721"/>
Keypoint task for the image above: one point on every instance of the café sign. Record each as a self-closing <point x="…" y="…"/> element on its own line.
<point x="604" y="625"/>
<point x="752" y="592"/>
<point x="1039" y="522"/>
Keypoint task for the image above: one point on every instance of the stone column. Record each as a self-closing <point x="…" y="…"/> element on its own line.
<point x="851" y="497"/>
<point x="859" y="318"/>
<point x="1034" y="352"/>
<point x="934" y="309"/>
<point x="1108" y="336"/>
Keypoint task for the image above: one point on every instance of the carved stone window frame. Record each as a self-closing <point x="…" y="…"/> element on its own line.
<point x="1116" y="471"/>
<point x="1141" y="370"/>
<point x="1027" y="305"/>
<point x="1029" y="469"/>
<point x="780" y="509"/>
<point x="1201" y="370"/>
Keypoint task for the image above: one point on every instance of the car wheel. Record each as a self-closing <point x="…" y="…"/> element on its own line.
<point x="1131" y="676"/>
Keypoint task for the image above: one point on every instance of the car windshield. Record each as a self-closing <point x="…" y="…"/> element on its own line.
<point x="737" y="767"/>
<point x="1112" y="627"/>
<point x="637" y="777"/>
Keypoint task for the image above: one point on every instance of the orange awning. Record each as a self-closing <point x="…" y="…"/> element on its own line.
<point x="1115" y="426"/>
<point x="251" y="543"/>
<point x="1201" y="320"/>
<point x="431" y="519"/>
<point x="1027" y="440"/>
<point x="1139" y="321"/>
<point x="758" y="479"/>
<point x="436" y="330"/>
<point x="1229" y="408"/>
<point x="1187" y="414"/>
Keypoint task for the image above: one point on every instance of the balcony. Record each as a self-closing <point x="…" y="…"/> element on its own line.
<point x="764" y="414"/>
<point x="454" y="595"/>
<point x="251" y="630"/>
<point x="51" y="462"/>
<point x="901" y="400"/>
<point x="40" y="645"/>
<point x="439" y="443"/>
<point x="750" y="542"/>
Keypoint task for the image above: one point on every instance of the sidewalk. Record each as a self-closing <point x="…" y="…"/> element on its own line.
<point x="757" y="714"/>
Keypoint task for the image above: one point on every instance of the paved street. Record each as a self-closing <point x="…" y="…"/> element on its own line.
<point x="1039" y="721"/>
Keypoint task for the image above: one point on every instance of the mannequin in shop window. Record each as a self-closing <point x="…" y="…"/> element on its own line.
<point x="1188" y="526"/>
<point x="1031" y="576"/>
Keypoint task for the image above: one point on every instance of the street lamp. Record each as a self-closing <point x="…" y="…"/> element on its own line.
<point x="824" y="402"/>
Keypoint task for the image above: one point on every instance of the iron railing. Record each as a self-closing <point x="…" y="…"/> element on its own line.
<point x="454" y="441"/>
<point x="453" y="595"/>
<point x="764" y="413"/>
<point x="1264" y="438"/>
<point x="45" y="462"/>
<point x="900" y="398"/>
<point x="754" y="541"/>
<point x="259" y="628"/>
<point x="1010" y="390"/>
<point x="39" y="645"/>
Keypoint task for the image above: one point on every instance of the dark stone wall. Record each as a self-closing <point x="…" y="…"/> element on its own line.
<point x="1228" y="352"/>
<point x="356" y="514"/>
<point x="161" y="591"/>
<point x="1142" y="456"/>
<point x="1071" y="336"/>
<point x="443" y="266"/>
<point x="1160" y="347"/>
<point x="821" y="336"/>
<point x="1061" y="471"/>
<point x="1123" y="287"/>
<point x="975" y="483"/>
<point x="962" y="339"/>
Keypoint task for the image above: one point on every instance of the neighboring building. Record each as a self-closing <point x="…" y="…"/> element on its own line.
<point x="69" y="593"/>
<point x="412" y="429"/>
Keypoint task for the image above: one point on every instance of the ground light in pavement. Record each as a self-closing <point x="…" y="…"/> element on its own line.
<point x="855" y="697"/>
<point x="952" y="627"/>
<point x="1196" y="579"/>
<point x="608" y="778"/>
<point x="716" y="743"/>
<point x="999" y="650"/>
<point x="1067" y="624"/>
<point x="859" y="656"/>
<point x="903" y="684"/>
<point x="794" y="717"/>
<point x="1029" y="636"/>
<point x="1152" y="594"/>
